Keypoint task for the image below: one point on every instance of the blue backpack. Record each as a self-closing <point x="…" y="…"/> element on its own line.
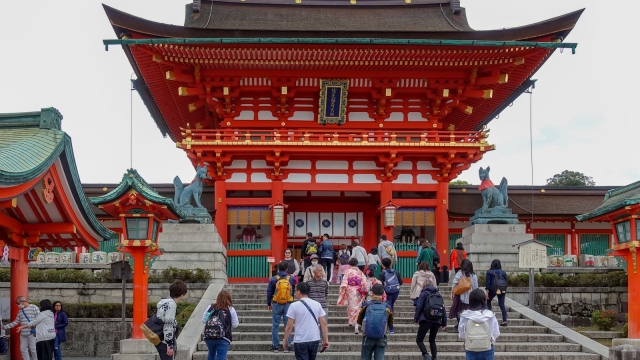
<point x="391" y="283"/>
<point x="375" y="325"/>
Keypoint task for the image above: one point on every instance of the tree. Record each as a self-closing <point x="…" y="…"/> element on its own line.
<point x="571" y="178"/>
<point x="459" y="182"/>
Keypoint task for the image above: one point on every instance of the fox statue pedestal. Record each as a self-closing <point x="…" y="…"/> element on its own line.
<point x="192" y="246"/>
<point x="485" y="242"/>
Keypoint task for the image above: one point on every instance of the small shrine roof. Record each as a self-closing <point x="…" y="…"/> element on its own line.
<point x="36" y="157"/>
<point x="132" y="180"/>
<point x="615" y="199"/>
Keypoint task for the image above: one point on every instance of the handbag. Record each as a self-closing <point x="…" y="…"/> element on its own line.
<point x="152" y="329"/>
<point x="464" y="285"/>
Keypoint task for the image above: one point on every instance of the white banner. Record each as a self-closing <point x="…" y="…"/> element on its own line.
<point x="338" y="225"/>
<point x="313" y="224"/>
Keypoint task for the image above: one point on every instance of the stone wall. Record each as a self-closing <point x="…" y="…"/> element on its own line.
<point x="99" y="293"/>
<point x="94" y="337"/>
<point x="573" y="306"/>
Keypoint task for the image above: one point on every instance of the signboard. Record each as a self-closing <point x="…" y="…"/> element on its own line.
<point x="271" y="259"/>
<point x="532" y="255"/>
<point x="333" y="102"/>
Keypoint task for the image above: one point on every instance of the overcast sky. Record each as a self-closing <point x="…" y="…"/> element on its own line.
<point x="583" y="104"/>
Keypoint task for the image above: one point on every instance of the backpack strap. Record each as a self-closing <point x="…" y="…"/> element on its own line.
<point x="25" y="315"/>
<point x="308" y="308"/>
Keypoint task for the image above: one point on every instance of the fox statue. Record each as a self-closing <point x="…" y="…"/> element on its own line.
<point x="492" y="197"/>
<point x="194" y="190"/>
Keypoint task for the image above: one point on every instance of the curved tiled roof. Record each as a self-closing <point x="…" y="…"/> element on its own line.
<point x="615" y="199"/>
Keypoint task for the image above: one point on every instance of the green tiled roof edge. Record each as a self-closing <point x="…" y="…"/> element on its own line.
<point x="141" y="186"/>
<point x="12" y="179"/>
<point x="632" y="199"/>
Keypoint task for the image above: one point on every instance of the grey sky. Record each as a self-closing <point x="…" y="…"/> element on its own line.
<point x="583" y="117"/>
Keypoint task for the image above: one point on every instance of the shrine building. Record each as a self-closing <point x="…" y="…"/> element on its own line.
<point x="337" y="117"/>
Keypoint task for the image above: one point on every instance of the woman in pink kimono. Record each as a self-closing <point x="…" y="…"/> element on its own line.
<point x="351" y="293"/>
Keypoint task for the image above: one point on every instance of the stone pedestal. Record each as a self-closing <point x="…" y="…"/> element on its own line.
<point x="136" y="349"/>
<point x="192" y="246"/>
<point x="486" y="242"/>
<point x="625" y="349"/>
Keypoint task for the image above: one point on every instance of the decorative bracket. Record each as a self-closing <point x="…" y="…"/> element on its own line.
<point x="388" y="163"/>
<point x="277" y="160"/>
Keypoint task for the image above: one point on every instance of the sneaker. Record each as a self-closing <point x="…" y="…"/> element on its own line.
<point x="274" y="349"/>
<point x="503" y="323"/>
<point x="286" y="351"/>
<point x="391" y="331"/>
<point x="426" y="357"/>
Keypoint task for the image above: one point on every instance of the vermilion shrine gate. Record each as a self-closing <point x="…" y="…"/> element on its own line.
<point x="356" y="116"/>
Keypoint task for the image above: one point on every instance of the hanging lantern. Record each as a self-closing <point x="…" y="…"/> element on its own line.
<point x="389" y="214"/>
<point x="277" y="210"/>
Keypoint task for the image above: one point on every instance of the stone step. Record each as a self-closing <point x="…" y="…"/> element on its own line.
<point x="399" y="328"/>
<point x="343" y="318"/>
<point x="400" y="346"/>
<point x="442" y="336"/>
<point x="260" y="299"/>
<point x="398" y="307"/>
<point x="413" y="355"/>
<point x="342" y="311"/>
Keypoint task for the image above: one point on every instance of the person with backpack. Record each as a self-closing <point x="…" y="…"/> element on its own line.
<point x="371" y="281"/>
<point x="326" y="254"/>
<point x="350" y="292"/>
<point x="430" y="316"/>
<point x="309" y="247"/>
<point x="343" y="256"/>
<point x="373" y="259"/>
<point x="496" y="285"/>
<point x="392" y="282"/>
<point x="421" y="278"/>
<point x="307" y="315"/>
<point x="219" y="318"/>
<point x="464" y="282"/>
<point x="374" y="317"/>
<point x="386" y="250"/>
<point x="360" y="254"/>
<point x="479" y="328"/>
<point x="44" y="330"/>
<point x="457" y="255"/>
<point x="279" y="298"/>
<point x="27" y="339"/>
<point x="426" y="254"/>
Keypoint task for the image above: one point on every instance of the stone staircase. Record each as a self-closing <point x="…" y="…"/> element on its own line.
<point x="522" y="339"/>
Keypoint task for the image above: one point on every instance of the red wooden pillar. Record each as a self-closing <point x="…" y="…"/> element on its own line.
<point x="140" y="291"/>
<point x="442" y="219"/>
<point x="386" y="195"/>
<point x="370" y="229"/>
<point x="220" y="202"/>
<point x="19" y="287"/>
<point x="278" y="233"/>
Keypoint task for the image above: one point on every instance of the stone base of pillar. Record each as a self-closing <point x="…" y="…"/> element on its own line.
<point x="136" y="349"/>
<point x="192" y="246"/>
<point x="486" y="242"/>
<point x="625" y="349"/>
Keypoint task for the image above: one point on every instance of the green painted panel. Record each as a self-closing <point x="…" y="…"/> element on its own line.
<point x="249" y="246"/>
<point x="406" y="266"/>
<point x="557" y="241"/>
<point x="107" y="246"/>
<point x="406" y="247"/>
<point x="453" y="240"/>
<point x="248" y="267"/>
<point x="594" y="244"/>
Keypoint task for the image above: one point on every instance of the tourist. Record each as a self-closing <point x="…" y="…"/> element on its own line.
<point x="392" y="282"/>
<point x="61" y="320"/>
<point x="360" y="254"/>
<point x="378" y="317"/>
<point x="435" y="265"/>
<point x="420" y="241"/>
<point x="309" y="247"/>
<point x="166" y="312"/>
<point x="306" y="314"/>
<point x="319" y="289"/>
<point x="421" y="278"/>
<point x="430" y="316"/>
<point x="496" y="285"/>
<point x="279" y="298"/>
<point x="484" y="336"/>
<point x="386" y="250"/>
<point x="373" y="259"/>
<point x="457" y="255"/>
<point x="371" y="281"/>
<point x="343" y="256"/>
<point x="326" y="255"/>
<point x="426" y="254"/>
<point x="27" y="313"/>
<point x="218" y="344"/>
<point x="350" y="292"/>
<point x="293" y="268"/>
<point x="469" y="281"/>
<point x="3" y="340"/>
<point x="308" y="272"/>
<point x="45" y="330"/>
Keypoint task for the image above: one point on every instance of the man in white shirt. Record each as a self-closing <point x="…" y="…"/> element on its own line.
<point x="361" y="254"/>
<point x="306" y="314"/>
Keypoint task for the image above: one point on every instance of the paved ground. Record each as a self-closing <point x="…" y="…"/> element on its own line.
<point x="86" y="358"/>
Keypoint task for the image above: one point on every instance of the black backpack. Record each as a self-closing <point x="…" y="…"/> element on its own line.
<point x="501" y="283"/>
<point x="433" y="306"/>
<point x="216" y="325"/>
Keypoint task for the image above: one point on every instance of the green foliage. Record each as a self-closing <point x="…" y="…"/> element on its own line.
<point x="571" y="178"/>
<point x="104" y="276"/>
<point x="604" y="319"/>
<point x="612" y="279"/>
<point x="459" y="182"/>
<point x="184" y="315"/>
<point x="625" y="328"/>
<point x="112" y="310"/>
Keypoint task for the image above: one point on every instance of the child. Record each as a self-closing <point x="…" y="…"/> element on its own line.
<point x="371" y="280"/>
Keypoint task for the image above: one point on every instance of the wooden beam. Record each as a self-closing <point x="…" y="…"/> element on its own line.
<point x="11" y="203"/>
<point x="50" y="228"/>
